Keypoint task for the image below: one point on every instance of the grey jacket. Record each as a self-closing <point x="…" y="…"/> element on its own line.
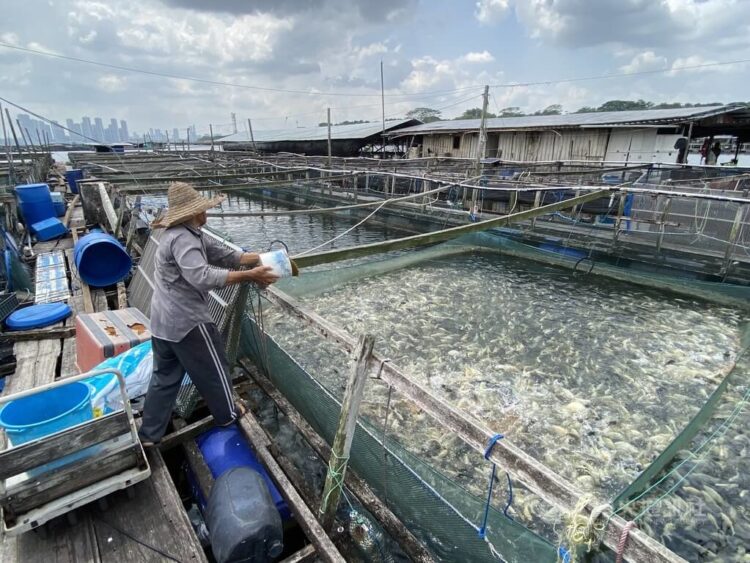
<point x="187" y="266"/>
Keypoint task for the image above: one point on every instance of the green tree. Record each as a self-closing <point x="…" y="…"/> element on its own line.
<point x="554" y="109"/>
<point x="586" y="109"/>
<point x="474" y="113"/>
<point x="425" y="115"/>
<point x="513" y="111"/>
<point x="624" y="105"/>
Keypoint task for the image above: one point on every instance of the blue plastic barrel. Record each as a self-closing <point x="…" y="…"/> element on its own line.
<point x="35" y="202"/>
<point x="45" y="413"/>
<point x="226" y="448"/>
<point x="101" y="259"/>
<point x="58" y="202"/>
<point x="72" y="177"/>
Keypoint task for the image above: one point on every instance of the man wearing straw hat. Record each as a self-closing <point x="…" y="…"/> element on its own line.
<point x="184" y="337"/>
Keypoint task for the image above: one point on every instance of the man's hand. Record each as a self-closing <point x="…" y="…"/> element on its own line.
<point x="262" y="275"/>
<point x="249" y="259"/>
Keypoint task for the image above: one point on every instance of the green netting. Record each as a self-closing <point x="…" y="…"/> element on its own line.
<point x="682" y="441"/>
<point x="438" y="511"/>
<point x="728" y="294"/>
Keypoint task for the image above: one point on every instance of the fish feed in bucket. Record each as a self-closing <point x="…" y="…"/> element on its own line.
<point x="278" y="261"/>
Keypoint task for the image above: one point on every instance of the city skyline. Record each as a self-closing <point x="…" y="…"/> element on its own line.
<point x="30" y="130"/>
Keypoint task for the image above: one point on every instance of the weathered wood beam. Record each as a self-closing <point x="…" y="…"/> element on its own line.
<point x="440" y="236"/>
<point x="39" y="334"/>
<point x="541" y="480"/>
<point x="185" y="433"/>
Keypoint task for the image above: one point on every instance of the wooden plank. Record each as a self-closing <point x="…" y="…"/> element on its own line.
<point x="305" y="518"/>
<point x="63" y="543"/>
<point x="395" y="528"/>
<point x="197" y="463"/>
<point x="122" y="296"/>
<point x="544" y="482"/>
<point x="34" y="493"/>
<point x="71" y="208"/>
<point x="440" y="236"/>
<point x="185" y="433"/>
<point x="39" y="334"/>
<point x="155" y="517"/>
<point x="304" y="554"/>
<point x="342" y="441"/>
<point x="32" y="454"/>
<point x="100" y="300"/>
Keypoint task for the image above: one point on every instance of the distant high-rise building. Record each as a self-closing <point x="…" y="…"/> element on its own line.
<point x="175" y="134"/>
<point x="58" y="133"/>
<point x="124" y="135"/>
<point x="98" y="129"/>
<point x="112" y="133"/>
<point x="86" y="129"/>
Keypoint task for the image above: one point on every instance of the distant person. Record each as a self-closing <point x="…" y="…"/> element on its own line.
<point x="704" y="151"/>
<point x="717" y="151"/>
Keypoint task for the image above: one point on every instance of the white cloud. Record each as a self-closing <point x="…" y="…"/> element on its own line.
<point x="111" y="83"/>
<point x="481" y="57"/>
<point x="703" y="64"/>
<point x="647" y="60"/>
<point x="491" y="11"/>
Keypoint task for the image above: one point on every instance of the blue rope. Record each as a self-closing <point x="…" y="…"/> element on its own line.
<point x="487" y="452"/>
<point x="564" y="554"/>
<point x="510" y="497"/>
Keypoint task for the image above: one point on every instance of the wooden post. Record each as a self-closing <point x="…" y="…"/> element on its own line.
<point x="620" y="211"/>
<point x="537" y="201"/>
<point x="342" y="442"/>
<point x="252" y="137"/>
<point x="329" y="137"/>
<point x="732" y="240"/>
<point x="481" y="144"/>
<point x="664" y="215"/>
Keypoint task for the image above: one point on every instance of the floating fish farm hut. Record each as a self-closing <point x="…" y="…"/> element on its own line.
<point x="624" y="136"/>
<point x="345" y="140"/>
<point x="481" y="360"/>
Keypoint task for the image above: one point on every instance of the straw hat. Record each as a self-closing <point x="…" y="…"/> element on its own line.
<point x="184" y="202"/>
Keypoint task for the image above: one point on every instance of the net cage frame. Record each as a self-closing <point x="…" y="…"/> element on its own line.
<point x="220" y="304"/>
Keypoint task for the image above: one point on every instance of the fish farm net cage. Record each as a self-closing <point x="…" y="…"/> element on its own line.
<point x="446" y="509"/>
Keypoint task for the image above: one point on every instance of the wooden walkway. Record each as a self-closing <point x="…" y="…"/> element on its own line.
<point x="149" y="524"/>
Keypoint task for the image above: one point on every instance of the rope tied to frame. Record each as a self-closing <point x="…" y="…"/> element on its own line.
<point x="482" y="530"/>
<point x="623" y="540"/>
<point x="582" y="531"/>
<point x="336" y="470"/>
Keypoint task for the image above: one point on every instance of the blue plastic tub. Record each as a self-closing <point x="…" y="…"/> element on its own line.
<point x="72" y="177"/>
<point x="35" y="202"/>
<point x="58" y="202"/>
<point x="226" y="448"/>
<point x="45" y="413"/>
<point x="101" y="259"/>
<point x="48" y="229"/>
<point x="38" y="316"/>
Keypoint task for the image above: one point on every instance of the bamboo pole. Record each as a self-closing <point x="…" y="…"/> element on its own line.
<point x="440" y="236"/>
<point x="342" y="442"/>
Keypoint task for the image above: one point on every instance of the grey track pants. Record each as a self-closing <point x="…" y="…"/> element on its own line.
<point x="200" y="354"/>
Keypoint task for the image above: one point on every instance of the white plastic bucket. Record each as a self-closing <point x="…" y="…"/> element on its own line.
<point x="278" y="261"/>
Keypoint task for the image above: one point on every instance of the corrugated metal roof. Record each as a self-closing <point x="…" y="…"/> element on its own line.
<point x="354" y="131"/>
<point x="653" y="116"/>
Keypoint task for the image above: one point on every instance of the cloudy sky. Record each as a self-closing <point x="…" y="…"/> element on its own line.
<point x="437" y="53"/>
